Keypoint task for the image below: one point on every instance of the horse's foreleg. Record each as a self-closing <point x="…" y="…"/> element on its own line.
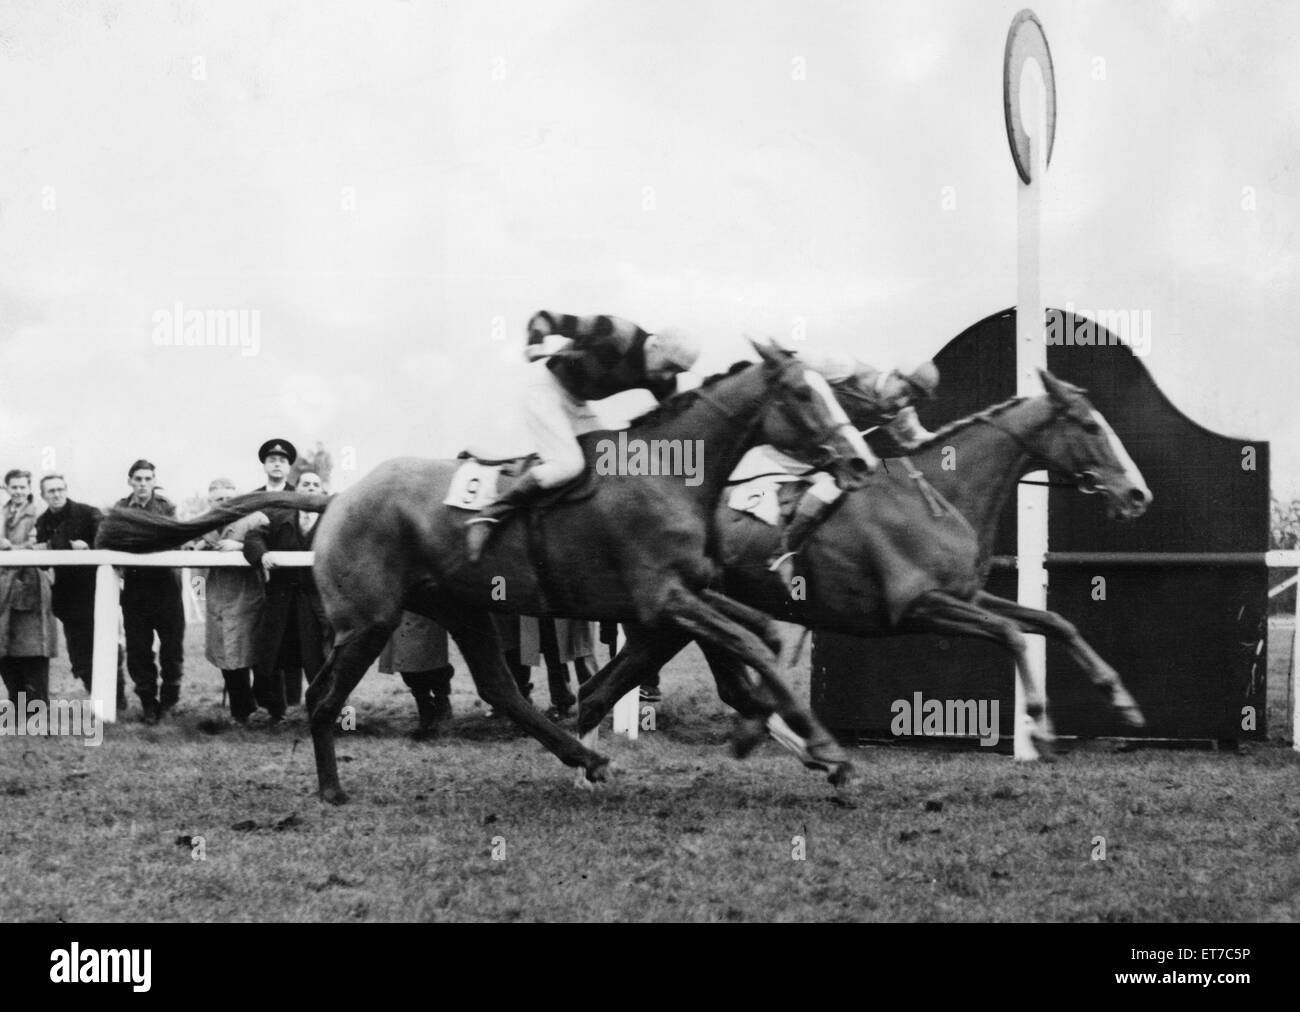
<point x="1051" y="625"/>
<point x="937" y="612"/>
<point x="476" y="636"/>
<point x="793" y="725"/>
<point x="644" y="652"/>
<point x="758" y="622"/>
<point x="714" y="628"/>
<point x="329" y="690"/>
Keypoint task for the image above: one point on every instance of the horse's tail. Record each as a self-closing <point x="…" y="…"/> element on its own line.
<point x="134" y="530"/>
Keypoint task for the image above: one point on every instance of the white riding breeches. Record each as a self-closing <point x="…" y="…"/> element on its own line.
<point x="824" y="488"/>
<point x="555" y="419"/>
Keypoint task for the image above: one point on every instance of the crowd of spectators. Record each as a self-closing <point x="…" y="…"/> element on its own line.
<point x="265" y="629"/>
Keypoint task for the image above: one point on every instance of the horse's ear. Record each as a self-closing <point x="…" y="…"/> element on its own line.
<point x="1059" y="390"/>
<point x="769" y="353"/>
<point x="1054" y="387"/>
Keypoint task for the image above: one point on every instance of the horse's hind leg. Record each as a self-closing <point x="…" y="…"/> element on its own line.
<point x="1051" y="625"/>
<point x="937" y="612"/>
<point x="644" y="652"/>
<point x="760" y="623"/>
<point x="347" y="664"/>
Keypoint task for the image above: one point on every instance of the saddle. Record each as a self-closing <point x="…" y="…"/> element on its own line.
<point x="481" y="480"/>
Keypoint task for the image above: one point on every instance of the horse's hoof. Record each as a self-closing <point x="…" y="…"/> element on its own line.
<point x="827" y="755"/>
<point x="333" y="796"/>
<point x="749" y="733"/>
<point x="1131" y="714"/>
<point x="1045" y="747"/>
<point x="599" y="771"/>
<point x="841" y="775"/>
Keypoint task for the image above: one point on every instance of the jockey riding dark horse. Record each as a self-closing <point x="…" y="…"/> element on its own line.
<point x="576" y="359"/>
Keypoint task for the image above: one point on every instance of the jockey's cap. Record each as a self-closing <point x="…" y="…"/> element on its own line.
<point x="924" y="379"/>
<point x="679" y="347"/>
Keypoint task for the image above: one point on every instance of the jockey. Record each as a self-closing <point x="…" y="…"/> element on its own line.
<point x="889" y="397"/>
<point x="576" y="359"/>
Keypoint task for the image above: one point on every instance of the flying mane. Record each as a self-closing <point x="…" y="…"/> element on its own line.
<point x="944" y="431"/>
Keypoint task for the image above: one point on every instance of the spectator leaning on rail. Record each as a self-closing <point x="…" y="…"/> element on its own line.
<point x="67" y="525"/>
<point x="291" y="630"/>
<point x="232" y="599"/>
<point x="576" y="359"/>
<point x="151" y="602"/>
<point x="311" y="483"/>
<point x="28" y="635"/>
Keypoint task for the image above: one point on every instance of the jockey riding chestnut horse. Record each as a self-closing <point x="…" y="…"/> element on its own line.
<point x="884" y="399"/>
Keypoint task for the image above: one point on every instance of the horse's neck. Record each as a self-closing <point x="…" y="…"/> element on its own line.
<point x="984" y="467"/>
<point x="723" y="424"/>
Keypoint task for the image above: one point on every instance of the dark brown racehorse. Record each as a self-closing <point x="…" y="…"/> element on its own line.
<point x="633" y="551"/>
<point x="883" y="564"/>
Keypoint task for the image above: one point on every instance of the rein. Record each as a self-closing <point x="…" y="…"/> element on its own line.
<point x="787" y="410"/>
<point x="1080" y="477"/>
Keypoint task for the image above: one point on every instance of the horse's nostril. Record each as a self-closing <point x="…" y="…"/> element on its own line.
<point x="859" y="466"/>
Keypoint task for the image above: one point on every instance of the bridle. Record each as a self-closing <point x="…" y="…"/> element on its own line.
<point x="829" y="455"/>
<point x="1085" y="480"/>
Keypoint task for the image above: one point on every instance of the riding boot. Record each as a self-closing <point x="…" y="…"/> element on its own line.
<point x="809" y="513"/>
<point x="479" y="528"/>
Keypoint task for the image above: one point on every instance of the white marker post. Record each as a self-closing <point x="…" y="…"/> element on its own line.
<point x="627" y="711"/>
<point x="1029" y="103"/>
<point x="103" y="659"/>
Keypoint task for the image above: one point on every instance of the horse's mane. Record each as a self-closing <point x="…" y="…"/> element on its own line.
<point x="944" y="431"/>
<point x="671" y="407"/>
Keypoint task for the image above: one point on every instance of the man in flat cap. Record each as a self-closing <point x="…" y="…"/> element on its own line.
<point x="277" y="457"/>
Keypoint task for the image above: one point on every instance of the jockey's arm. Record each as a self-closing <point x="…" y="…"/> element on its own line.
<point x="547" y="336"/>
<point x="906" y="429"/>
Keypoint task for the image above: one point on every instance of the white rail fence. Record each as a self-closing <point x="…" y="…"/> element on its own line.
<point x="108" y="588"/>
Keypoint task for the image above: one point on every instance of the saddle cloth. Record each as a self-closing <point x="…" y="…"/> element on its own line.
<point x="757" y="481"/>
<point x="481" y="481"/>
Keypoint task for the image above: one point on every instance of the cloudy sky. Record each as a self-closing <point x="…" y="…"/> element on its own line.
<point x="393" y="188"/>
